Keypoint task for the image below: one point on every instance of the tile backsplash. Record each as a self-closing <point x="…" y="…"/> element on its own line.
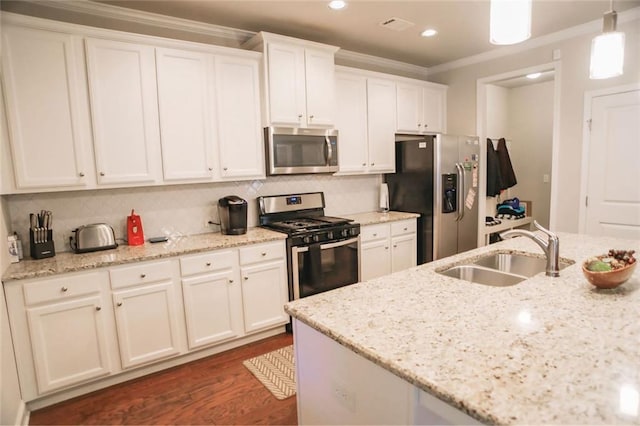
<point x="180" y="209"/>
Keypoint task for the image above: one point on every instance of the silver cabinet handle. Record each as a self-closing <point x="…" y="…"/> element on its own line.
<point x="64" y="289"/>
<point x="119" y="304"/>
<point x="98" y="308"/>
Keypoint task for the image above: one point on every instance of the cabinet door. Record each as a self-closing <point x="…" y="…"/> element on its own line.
<point x="403" y="252"/>
<point x="238" y="111"/>
<point x="351" y="122"/>
<point x="69" y="342"/>
<point x="375" y="259"/>
<point x="320" y="87"/>
<point x="44" y="107"/>
<point x="124" y="111"/>
<point x="286" y="80"/>
<point x="381" y="112"/>
<point x="185" y="81"/>
<point x="434" y="109"/>
<point x="409" y="103"/>
<point x="147" y="323"/>
<point x="213" y="308"/>
<point x="264" y="293"/>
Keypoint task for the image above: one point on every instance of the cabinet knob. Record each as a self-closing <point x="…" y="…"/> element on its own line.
<point x="263" y="253"/>
<point x="246" y="278"/>
<point x="225" y="169"/>
<point x="64" y="289"/>
<point x="119" y="304"/>
<point x="405" y="229"/>
<point x="101" y="173"/>
<point x="386" y="247"/>
<point x="419" y="125"/>
<point x="208" y="263"/>
<point x="311" y="117"/>
<point x="426" y="125"/>
<point x="143" y="275"/>
<point x="299" y="116"/>
<point x="81" y="174"/>
<point x="364" y="164"/>
<point x="373" y="164"/>
<point x="395" y="246"/>
<point x="375" y="235"/>
<point x="210" y="169"/>
<point x="98" y="308"/>
<point x="230" y="281"/>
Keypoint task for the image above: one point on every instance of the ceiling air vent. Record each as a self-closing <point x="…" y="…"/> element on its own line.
<point x="396" y="24"/>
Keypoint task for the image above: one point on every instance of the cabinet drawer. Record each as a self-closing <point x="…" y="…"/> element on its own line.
<point x="403" y="227"/>
<point x="140" y="274"/>
<point x="207" y="262"/>
<point x="374" y="232"/>
<point x="63" y="287"/>
<point x="261" y="253"/>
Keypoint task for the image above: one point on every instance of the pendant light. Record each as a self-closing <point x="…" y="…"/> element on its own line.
<point x="510" y="21"/>
<point x="607" y="49"/>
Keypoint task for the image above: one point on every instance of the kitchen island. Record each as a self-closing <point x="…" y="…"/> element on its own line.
<point x="544" y="351"/>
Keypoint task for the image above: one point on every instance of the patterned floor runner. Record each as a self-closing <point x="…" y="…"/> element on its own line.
<point x="276" y="371"/>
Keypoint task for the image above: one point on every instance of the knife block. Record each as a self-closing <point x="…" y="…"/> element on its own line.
<point x="42" y="249"/>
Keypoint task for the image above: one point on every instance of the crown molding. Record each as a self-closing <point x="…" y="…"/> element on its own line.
<point x="146" y="18"/>
<point x="351" y="57"/>
<point x="579" y="30"/>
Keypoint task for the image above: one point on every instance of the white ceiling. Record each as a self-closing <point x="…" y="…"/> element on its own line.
<point x="463" y="26"/>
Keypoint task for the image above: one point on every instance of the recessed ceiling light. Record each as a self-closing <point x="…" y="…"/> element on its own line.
<point x="337" y="4"/>
<point x="430" y="32"/>
<point x="534" y="75"/>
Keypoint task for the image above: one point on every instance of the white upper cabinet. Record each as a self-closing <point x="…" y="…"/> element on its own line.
<point x="238" y="111"/>
<point x="185" y="93"/>
<point x="366" y="122"/>
<point x="421" y="107"/>
<point x="46" y="112"/>
<point x="124" y="111"/>
<point x="299" y="81"/>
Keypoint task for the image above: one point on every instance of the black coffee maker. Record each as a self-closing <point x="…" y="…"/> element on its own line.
<point x="233" y="215"/>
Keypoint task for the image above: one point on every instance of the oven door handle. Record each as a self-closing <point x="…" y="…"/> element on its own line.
<point x="328" y="246"/>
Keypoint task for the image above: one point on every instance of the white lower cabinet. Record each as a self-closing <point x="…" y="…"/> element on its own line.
<point x="387" y="248"/>
<point x="62" y="331"/>
<point x="146" y="311"/>
<point x="264" y="285"/>
<point x="212" y="297"/>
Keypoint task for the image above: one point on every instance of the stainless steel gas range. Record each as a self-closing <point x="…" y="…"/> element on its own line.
<point x="322" y="251"/>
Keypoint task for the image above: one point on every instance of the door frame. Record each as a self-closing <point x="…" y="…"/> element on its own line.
<point x="481" y="131"/>
<point x="586" y="141"/>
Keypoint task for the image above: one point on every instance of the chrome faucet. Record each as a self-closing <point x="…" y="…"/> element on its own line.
<point x="551" y="247"/>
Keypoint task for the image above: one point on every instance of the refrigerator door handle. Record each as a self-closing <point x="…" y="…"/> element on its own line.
<point x="461" y="191"/>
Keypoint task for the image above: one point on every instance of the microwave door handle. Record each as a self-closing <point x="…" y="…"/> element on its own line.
<point x="329" y="150"/>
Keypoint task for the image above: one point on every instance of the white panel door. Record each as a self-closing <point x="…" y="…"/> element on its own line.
<point x="320" y="87"/>
<point x="614" y="176"/>
<point x="213" y="308"/>
<point x="351" y="122"/>
<point x="403" y="252"/>
<point x="185" y="81"/>
<point x="375" y="260"/>
<point x="286" y="85"/>
<point x="238" y="111"/>
<point x="124" y="110"/>
<point x="43" y="106"/>
<point x="147" y="323"/>
<point x="381" y="111"/>
<point x="264" y="293"/>
<point x="69" y="342"/>
<point x="434" y="110"/>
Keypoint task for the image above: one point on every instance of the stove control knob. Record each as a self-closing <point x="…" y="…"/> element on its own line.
<point x="344" y="232"/>
<point x="330" y="235"/>
<point x="316" y="238"/>
<point x="354" y="231"/>
<point x="306" y="240"/>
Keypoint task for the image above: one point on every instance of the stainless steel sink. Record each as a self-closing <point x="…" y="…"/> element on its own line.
<point x="518" y="264"/>
<point x="483" y="275"/>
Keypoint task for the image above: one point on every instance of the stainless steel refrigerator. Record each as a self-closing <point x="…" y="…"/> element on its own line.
<point x="437" y="176"/>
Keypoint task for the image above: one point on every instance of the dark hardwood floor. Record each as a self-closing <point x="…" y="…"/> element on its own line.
<point x="214" y="390"/>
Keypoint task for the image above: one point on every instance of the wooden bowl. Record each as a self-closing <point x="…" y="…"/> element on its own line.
<point x="609" y="279"/>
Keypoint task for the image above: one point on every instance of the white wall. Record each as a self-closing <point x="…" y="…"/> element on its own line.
<point x="183" y="209"/>
<point x="497" y="112"/>
<point x="574" y="82"/>
<point x="530" y="129"/>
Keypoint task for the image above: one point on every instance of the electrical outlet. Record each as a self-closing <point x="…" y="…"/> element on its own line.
<point x="545" y="178"/>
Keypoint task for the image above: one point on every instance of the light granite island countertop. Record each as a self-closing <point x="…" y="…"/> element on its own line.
<point x="544" y="351"/>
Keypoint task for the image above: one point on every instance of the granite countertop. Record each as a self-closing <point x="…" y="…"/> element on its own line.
<point x="71" y="262"/>
<point x="372" y="218"/>
<point x="546" y="350"/>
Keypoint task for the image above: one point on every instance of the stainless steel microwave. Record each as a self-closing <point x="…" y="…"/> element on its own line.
<point x="292" y="150"/>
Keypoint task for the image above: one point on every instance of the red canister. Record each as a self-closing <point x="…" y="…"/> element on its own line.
<point x="135" y="236"/>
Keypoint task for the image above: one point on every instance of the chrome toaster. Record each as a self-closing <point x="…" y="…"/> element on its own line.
<point x="94" y="237"/>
